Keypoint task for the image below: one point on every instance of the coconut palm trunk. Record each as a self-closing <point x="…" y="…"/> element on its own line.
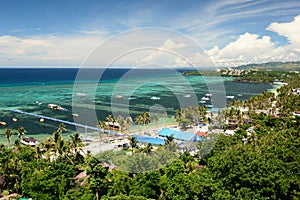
<point x="8" y="133"/>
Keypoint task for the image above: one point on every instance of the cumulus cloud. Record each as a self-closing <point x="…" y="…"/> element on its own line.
<point x="251" y="48"/>
<point x="247" y="48"/>
<point x="290" y="30"/>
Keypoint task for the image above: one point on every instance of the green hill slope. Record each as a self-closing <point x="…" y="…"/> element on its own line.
<point x="275" y="66"/>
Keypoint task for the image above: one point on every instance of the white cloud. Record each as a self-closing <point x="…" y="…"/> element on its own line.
<point x="47" y="49"/>
<point x="168" y="45"/>
<point x="250" y="48"/>
<point x="290" y="30"/>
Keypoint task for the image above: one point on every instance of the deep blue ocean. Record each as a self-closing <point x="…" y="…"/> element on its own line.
<point x="106" y="91"/>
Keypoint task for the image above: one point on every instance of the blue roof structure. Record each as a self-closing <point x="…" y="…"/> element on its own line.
<point x="155" y="141"/>
<point x="180" y="135"/>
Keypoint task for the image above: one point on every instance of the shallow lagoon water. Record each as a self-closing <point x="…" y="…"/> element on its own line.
<point x="32" y="90"/>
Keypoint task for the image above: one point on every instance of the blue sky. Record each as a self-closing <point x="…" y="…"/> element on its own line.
<point x="31" y="30"/>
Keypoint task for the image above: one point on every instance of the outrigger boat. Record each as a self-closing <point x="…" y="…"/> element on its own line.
<point x="55" y="107"/>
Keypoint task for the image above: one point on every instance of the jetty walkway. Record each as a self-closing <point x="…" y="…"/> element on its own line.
<point x="86" y="127"/>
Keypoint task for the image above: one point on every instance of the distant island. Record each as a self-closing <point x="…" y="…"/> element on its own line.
<point x="252" y="72"/>
<point x="274" y="66"/>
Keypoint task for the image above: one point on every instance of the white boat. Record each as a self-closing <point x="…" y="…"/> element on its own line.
<point x="29" y="141"/>
<point x="202" y="101"/>
<point x="205" y="98"/>
<point x="119" y="96"/>
<point x="80" y="94"/>
<point x="230" y="97"/>
<point x="155" y="98"/>
<point x="187" y="95"/>
<point x="2" y="123"/>
<point x="55" y="107"/>
<point x="240" y="95"/>
<point x="208" y="94"/>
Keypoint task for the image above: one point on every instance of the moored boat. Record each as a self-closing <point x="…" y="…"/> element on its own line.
<point x="229" y="97"/>
<point x="155" y="98"/>
<point x="55" y="107"/>
<point x="205" y="98"/>
<point x="2" y="123"/>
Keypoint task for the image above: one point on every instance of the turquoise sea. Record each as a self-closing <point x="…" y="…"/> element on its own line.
<point x="121" y="91"/>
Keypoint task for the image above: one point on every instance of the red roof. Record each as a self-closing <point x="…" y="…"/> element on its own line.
<point x="201" y="134"/>
<point x="297" y="112"/>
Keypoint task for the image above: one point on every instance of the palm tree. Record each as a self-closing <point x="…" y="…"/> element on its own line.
<point x="21" y="132"/>
<point x="139" y="120"/>
<point x="156" y="119"/>
<point x="8" y="133"/>
<point x="128" y="122"/>
<point x="111" y="120"/>
<point x="170" y="143"/>
<point x="39" y="152"/>
<point x="202" y="112"/>
<point x="148" y="148"/>
<point x="76" y="143"/>
<point x="121" y="122"/>
<point x="169" y="140"/>
<point x="133" y="142"/>
<point x="101" y="125"/>
<point x="147" y="119"/>
<point x="58" y="141"/>
<point x="48" y="146"/>
<point x="179" y="115"/>
<point x="61" y="128"/>
<point x="165" y="115"/>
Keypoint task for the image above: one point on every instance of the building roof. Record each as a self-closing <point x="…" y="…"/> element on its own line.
<point x="229" y="132"/>
<point x="180" y="135"/>
<point x="201" y="134"/>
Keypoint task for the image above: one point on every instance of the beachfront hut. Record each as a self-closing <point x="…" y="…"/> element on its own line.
<point x="115" y="126"/>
